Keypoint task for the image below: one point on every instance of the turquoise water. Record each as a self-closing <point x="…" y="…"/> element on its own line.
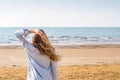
<point x="67" y="35"/>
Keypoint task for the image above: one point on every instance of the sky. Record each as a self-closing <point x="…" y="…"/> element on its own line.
<point x="60" y="13"/>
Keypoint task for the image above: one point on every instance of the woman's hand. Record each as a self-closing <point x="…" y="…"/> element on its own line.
<point x="38" y="32"/>
<point x="35" y="31"/>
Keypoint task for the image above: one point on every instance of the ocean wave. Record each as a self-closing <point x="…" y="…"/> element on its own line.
<point x="67" y="39"/>
<point x="13" y="39"/>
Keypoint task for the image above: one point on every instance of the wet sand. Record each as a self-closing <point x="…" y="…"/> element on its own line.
<point x="72" y="55"/>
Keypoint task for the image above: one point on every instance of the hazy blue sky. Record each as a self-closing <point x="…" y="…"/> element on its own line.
<point x="60" y="13"/>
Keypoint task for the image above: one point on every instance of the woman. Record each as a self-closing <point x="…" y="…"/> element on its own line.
<point x="42" y="60"/>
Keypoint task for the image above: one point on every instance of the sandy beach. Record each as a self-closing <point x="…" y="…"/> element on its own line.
<point x="79" y="62"/>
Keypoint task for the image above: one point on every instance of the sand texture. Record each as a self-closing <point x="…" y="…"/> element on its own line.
<point x="79" y="62"/>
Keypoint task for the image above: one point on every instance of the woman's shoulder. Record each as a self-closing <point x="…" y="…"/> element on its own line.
<point x="29" y="46"/>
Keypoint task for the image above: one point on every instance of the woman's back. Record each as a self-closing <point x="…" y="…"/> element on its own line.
<point x="40" y="67"/>
<point x="35" y="54"/>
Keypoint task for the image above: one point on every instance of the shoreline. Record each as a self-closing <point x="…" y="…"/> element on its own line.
<point x="68" y="46"/>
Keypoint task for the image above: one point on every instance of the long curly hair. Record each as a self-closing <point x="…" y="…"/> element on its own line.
<point x="41" y="42"/>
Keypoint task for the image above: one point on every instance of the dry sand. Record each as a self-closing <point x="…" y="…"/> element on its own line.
<point x="76" y="64"/>
<point x="88" y="72"/>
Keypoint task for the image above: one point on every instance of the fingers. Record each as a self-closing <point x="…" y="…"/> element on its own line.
<point x="38" y="32"/>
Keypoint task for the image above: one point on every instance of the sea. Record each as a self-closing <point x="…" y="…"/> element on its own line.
<point x="66" y="35"/>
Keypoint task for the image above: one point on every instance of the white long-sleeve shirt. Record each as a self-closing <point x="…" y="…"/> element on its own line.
<point x="40" y="67"/>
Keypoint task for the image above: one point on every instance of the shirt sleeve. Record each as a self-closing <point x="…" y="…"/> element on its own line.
<point x="21" y="34"/>
<point x="54" y="70"/>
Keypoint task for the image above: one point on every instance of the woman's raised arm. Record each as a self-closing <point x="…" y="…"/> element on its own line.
<point x="21" y="34"/>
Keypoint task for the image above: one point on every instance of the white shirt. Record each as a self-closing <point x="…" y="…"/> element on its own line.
<point x="40" y="67"/>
